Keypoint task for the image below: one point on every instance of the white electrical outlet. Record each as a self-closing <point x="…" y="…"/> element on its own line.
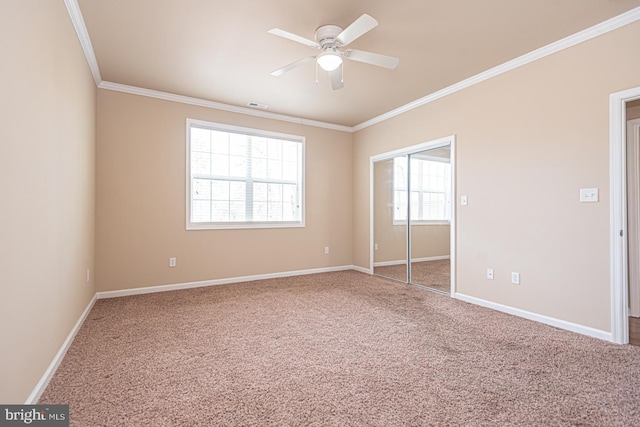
<point x="375" y="246"/>
<point x="326" y="249"/>
<point x="515" y="278"/>
<point x="172" y="262"/>
<point x="490" y="273"/>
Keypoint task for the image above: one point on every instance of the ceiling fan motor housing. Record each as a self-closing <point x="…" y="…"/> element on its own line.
<point x="326" y="35"/>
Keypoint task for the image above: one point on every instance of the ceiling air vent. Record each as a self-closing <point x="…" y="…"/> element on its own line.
<point x="257" y="105"/>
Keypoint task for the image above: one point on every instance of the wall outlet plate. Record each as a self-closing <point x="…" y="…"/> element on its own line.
<point x="515" y="278"/>
<point x="490" y="273"/>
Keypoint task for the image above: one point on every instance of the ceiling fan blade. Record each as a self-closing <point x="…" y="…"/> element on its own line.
<point x="359" y="27"/>
<point x="287" y="35"/>
<point x="336" y="78"/>
<point x="281" y="71"/>
<point x="372" y="58"/>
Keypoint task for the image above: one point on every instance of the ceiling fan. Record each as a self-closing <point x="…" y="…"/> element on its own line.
<point x="330" y="39"/>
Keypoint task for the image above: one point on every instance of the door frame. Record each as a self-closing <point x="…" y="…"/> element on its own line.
<point x="618" y="213"/>
<point x="433" y="144"/>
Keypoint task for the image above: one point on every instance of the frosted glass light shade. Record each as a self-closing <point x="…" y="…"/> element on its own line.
<point x="329" y="61"/>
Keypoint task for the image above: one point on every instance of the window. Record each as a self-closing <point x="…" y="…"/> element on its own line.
<point x="430" y="190"/>
<point x="243" y="178"/>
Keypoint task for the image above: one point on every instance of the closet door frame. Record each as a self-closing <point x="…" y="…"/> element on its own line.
<point x="414" y="149"/>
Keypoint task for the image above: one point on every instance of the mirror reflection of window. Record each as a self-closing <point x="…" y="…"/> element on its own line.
<point x="430" y="189"/>
<point x="415" y="186"/>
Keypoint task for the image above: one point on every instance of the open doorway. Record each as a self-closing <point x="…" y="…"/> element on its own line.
<point x="621" y="104"/>
<point x="633" y="218"/>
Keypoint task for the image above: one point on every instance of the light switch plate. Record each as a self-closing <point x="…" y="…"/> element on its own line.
<point x="588" y="195"/>
<point x="463" y="200"/>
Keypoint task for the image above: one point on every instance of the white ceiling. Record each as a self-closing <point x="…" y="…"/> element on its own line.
<point x="220" y="50"/>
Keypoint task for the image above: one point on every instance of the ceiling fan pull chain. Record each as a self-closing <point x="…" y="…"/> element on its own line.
<point x="342" y="73"/>
<point x="317" y="72"/>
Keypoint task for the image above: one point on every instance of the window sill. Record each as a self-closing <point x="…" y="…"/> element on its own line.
<point x="423" y="222"/>
<point x="242" y="225"/>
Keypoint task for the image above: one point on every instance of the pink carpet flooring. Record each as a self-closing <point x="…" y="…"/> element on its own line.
<point x="335" y="349"/>
<point x="432" y="274"/>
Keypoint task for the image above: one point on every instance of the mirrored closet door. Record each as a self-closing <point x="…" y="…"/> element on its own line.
<point x="412" y="215"/>
<point x="390" y="235"/>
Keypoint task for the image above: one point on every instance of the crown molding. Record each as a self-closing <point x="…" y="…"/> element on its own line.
<point x="614" y="23"/>
<point x="83" y="35"/>
<point x="134" y="90"/>
<point x="565" y="43"/>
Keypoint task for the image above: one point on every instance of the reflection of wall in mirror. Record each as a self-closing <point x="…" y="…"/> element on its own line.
<point x="427" y="240"/>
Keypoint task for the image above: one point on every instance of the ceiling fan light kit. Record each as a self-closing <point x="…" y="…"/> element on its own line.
<point x="329" y="61"/>
<point x="329" y="39"/>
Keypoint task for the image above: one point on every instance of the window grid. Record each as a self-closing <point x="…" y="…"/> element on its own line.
<point x="430" y="194"/>
<point x="241" y="178"/>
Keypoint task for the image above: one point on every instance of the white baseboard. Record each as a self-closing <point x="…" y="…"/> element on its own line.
<point x="215" y="282"/>
<point x="402" y="261"/>
<point x="562" y="324"/>
<point x="361" y="269"/>
<point x="53" y="366"/>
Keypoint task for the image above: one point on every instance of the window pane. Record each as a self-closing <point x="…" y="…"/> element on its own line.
<point x="201" y="189"/>
<point x="220" y="165"/>
<point x="237" y="190"/>
<point x="415" y="200"/>
<point x="201" y="163"/>
<point x="289" y="193"/>
<point x="220" y="190"/>
<point x="259" y="211"/>
<point x="237" y="211"/>
<point x="289" y="171"/>
<point x="259" y="168"/>
<point x="275" y="192"/>
<point x="288" y="211"/>
<point x="200" y="140"/>
<point x="238" y="166"/>
<point x="201" y="211"/>
<point x="275" y="149"/>
<point x="219" y="211"/>
<point x="290" y="151"/>
<point x="275" y="169"/>
<point x="219" y="142"/>
<point x="400" y="205"/>
<point x="275" y="211"/>
<point x="433" y="206"/>
<point x="400" y="173"/>
<point x="259" y="147"/>
<point x="238" y="145"/>
<point x="260" y="192"/>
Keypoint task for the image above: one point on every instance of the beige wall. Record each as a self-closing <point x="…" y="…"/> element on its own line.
<point x="526" y="142"/>
<point x="47" y="147"/>
<point x="426" y="240"/>
<point x="141" y="169"/>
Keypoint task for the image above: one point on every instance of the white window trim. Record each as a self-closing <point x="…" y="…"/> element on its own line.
<point x="249" y="224"/>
